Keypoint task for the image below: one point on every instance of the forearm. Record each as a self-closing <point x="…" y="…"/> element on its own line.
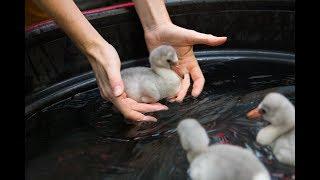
<point x="68" y="16"/>
<point x="152" y="13"/>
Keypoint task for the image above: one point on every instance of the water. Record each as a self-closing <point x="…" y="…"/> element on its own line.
<point x="81" y="137"/>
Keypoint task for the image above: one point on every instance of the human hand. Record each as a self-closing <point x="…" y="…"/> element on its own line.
<point x="183" y="40"/>
<point x="106" y="65"/>
<point x="102" y="56"/>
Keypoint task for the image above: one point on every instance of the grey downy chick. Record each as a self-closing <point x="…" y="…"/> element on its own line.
<point x="280" y="134"/>
<point x="218" y="162"/>
<point x="149" y="85"/>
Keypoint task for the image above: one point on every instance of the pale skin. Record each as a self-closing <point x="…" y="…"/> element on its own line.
<point x="105" y="61"/>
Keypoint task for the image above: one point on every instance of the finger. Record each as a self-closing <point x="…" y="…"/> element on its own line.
<point x="126" y="107"/>
<point x="137" y="116"/>
<point x="185" y="84"/>
<point x="103" y="86"/>
<point x="198" y="81"/>
<point x="104" y="89"/>
<point x="195" y="37"/>
<point x="115" y="80"/>
<point x="142" y="107"/>
<point x="172" y="100"/>
<point x="180" y="70"/>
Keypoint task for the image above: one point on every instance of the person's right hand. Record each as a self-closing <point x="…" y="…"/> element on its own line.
<point x="106" y="65"/>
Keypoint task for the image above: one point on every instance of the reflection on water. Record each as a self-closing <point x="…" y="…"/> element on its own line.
<point x="83" y="138"/>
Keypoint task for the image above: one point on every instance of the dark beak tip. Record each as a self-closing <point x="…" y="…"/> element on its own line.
<point x="173" y="63"/>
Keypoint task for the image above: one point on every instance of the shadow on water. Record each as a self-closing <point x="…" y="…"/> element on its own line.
<point x="81" y="137"/>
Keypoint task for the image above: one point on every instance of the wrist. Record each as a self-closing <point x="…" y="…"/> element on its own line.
<point x="156" y="24"/>
<point x="95" y="50"/>
<point x="153" y="14"/>
<point x="154" y="37"/>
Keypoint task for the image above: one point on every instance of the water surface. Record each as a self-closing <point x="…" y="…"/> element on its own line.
<point x="82" y="137"/>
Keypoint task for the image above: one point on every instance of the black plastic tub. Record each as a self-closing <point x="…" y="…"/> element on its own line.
<point x="72" y="133"/>
<point x="50" y="57"/>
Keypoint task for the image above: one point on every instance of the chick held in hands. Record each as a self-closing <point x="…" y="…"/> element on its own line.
<point x="149" y="85"/>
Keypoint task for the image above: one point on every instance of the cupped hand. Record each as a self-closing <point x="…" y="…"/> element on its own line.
<point x="106" y="65"/>
<point x="183" y="40"/>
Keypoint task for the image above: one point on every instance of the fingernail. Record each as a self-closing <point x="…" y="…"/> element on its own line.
<point x="117" y="91"/>
<point x="195" y="94"/>
<point x="149" y="119"/>
<point x="163" y="108"/>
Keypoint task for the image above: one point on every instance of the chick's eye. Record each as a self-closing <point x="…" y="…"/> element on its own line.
<point x="262" y="111"/>
<point x="168" y="60"/>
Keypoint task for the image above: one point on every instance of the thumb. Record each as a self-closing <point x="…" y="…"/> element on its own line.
<point x="208" y="39"/>
<point x="115" y="81"/>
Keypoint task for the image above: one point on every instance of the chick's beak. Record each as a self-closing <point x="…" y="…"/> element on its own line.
<point x="254" y="114"/>
<point x="174" y="63"/>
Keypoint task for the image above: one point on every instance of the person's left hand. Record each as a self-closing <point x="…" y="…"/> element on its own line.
<point x="183" y="40"/>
